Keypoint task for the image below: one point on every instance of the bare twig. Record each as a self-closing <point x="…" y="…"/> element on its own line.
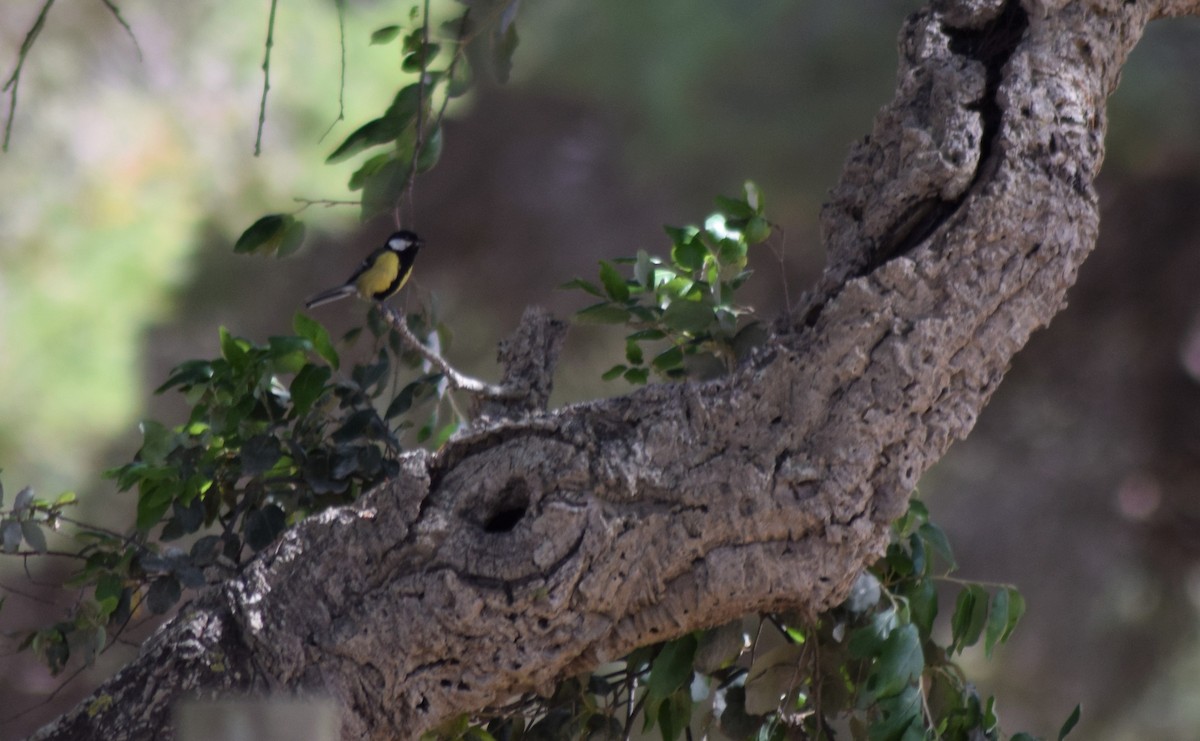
<point x="341" y="116"/>
<point x="14" y="80"/>
<point x="266" y="68"/>
<point x="327" y="203"/>
<point x="112" y="8"/>
<point x="420" y="142"/>
<point x="457" y="380"/>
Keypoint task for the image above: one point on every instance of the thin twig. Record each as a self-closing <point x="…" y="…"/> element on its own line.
<point x="112" y="8"/>
<point x="420" y="142"/>
<point x="266" y="68"/>
<point x="14" y="80"/>
<point x="60" y="554"/>
<point x="457" y="380"/>
<point x="327" y="203"/>
<point x="341" y="116"/>
<point x="27" y="595"/>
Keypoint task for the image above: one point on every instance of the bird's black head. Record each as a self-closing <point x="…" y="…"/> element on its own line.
<point x="403" y="241"/>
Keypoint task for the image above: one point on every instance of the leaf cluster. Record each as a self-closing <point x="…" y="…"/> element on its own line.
<point x="682" y="307"/>
<point x="406" y="138"/>
<point x="872" y="669"/>
<point x="276" y="431"/>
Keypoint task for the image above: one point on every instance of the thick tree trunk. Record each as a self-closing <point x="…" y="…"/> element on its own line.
<point x="544" y="544"/>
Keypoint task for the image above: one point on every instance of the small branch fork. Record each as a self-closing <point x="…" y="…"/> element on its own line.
<point x="456" y="379"/>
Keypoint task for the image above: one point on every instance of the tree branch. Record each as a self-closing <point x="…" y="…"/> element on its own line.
<point x="542" y="546"/>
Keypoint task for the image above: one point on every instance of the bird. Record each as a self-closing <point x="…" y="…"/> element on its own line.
<point x="382" y="274"/>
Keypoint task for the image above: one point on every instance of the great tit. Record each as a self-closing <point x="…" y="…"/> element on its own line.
<point x="381" y="275"/>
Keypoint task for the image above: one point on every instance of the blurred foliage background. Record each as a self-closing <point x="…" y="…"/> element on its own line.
<point x="128" y="179"/>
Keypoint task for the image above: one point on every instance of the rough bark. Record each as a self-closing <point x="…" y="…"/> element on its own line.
<point x="543" y="543"/>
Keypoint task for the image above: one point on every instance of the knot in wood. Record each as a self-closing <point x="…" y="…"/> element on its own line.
<point x="515" y="512"/>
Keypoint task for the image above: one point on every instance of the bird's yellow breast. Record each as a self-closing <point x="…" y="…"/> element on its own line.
<point x="380" y="276"/>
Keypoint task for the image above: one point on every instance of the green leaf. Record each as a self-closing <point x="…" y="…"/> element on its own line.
<point x="1070" y="723"/>
<point x="583" y="285"/>
<point x="311" y="330"/>
<point x="692" y="317"/>
<point x="670" y="358"/>
<point x="757" y="230"/>
<point x="406" y="103"/>
<point x="900" y="662"/>
<point x="936" y="538"/>
<point x="385" y="35"/>
<point x="674" y="714"/>
<point x="164" y="592"/>
<point x="384" y="187"/>
<point x="187" y="374"/>
<point x="268" y="234"/>
<point x="614" y="283"/>
<point x="681" y="234"/>
<point x="1016" y="609"/>
<point x="153" y="502"/>
<point x="32" y="532"/>
<point x="637" y="376"/>
<point x="734" y="208"/>
<point x="633" y="352"/>
<point x="382" y="130"/>
<point x="264" y="525"/>
<point x="233" y="349"/>
<point x="368" y="168"/>
<point x="689" y="255"/>
<point x="23" y="499"/>
<point x="923" y="605"/>
<point x="997" y="621"/>
<point x="431" y="151"/>
<point x="646" y="334"/>
<point x="867" y="640"/>
<point x="293" y="237"/>
<point x="420" y="58"/>
<point x="287" y="353"/>
<point x="259" y="455"/>
<point x="970" y="616"/>
<point x="475" y="733"/>
<point x="753" y="196"/>
<point x="503" y="48"/>
<point x="10" y="535"/>
<point x="671" y="669"/>
<point x="732" y="252"/>
<point x="108" y="592"/>
<point x="613" y="372"/>
<point x="460" y="80"/>
<point x="308" y="386"/>
<point x="901" y="719"/>
<point x="602" y="313"/>
<point x="643" y="269"/>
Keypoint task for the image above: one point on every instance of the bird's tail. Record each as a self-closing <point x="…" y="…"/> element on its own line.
<point x="333" y="294"/>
